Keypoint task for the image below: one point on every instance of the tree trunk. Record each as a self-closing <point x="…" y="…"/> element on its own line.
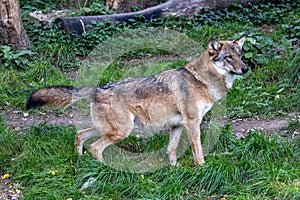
<point x="12" y="32"/>
<point x="185" y="8"/>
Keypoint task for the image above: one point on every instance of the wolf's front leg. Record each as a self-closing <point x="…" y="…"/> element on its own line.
<point x="194" y="138"/>
<point x="175" y="134"/>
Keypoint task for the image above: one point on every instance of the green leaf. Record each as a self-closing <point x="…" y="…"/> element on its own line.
<point x="22" y="53"/>
<point x="251" y="40"/>
<point x="248" y="55"/>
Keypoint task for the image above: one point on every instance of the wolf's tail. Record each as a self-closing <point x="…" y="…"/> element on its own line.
<point x="58" y="96"/>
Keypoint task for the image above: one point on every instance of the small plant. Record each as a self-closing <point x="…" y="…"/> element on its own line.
<point x="14" y="59"/>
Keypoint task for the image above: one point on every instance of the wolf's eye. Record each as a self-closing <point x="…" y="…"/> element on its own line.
<point x="228" y="58"/>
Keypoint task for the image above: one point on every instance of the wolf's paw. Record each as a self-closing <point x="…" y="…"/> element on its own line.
<point x="200" y="162"/>
<point x="172" y="159"/>
<point x="173" y="162"/>
<point x="96" y="153"/>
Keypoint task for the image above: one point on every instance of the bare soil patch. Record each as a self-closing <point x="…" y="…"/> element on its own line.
<point x="241" y="127"/>
<point x="19" y="120"/>
<point x="9" y="190"/>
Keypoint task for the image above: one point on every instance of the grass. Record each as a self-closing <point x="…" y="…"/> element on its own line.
<point x="260" y="166"/>
<point x="44" y="162"/>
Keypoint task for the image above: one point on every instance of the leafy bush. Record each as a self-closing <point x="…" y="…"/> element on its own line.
<point x="95" y="9"/>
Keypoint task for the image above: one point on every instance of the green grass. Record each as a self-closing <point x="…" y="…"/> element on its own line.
<point x="260" y="166"/>
<point x="44" y="162"/>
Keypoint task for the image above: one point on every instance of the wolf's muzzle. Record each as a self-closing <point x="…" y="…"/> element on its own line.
<point x="244" y="69"/>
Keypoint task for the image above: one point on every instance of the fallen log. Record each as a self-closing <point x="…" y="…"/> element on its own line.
<point x="185" y="8"/>
<point x="81" y="24"/>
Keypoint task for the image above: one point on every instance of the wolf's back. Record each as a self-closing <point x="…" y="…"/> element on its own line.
<point x="58" y="96"/>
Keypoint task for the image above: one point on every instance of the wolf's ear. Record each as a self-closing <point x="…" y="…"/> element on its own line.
<point x="214" y="45"/>
<point x="240" y="41"/>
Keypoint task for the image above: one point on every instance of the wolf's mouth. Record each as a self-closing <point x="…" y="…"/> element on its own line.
<point x="242" y="71"/>
<point x="235" y="73"/>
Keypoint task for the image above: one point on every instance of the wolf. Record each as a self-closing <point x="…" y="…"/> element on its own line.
<point x="177" y="99"/>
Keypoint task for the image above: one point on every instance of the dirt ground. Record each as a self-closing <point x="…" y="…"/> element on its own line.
<point x="19" y="120"/>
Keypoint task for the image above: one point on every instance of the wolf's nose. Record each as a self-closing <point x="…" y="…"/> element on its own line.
<point x="245" y="69"/>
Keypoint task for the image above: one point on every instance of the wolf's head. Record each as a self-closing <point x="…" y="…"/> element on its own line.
<point x="226" y="56"/>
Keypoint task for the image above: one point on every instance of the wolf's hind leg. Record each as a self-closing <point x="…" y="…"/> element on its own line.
<point x="98" y="147"/>
<point x="175" y="134"/>
<point x="82" y="136"/>
<point x="116" y="124"/>
<point x="106" y="140"/>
